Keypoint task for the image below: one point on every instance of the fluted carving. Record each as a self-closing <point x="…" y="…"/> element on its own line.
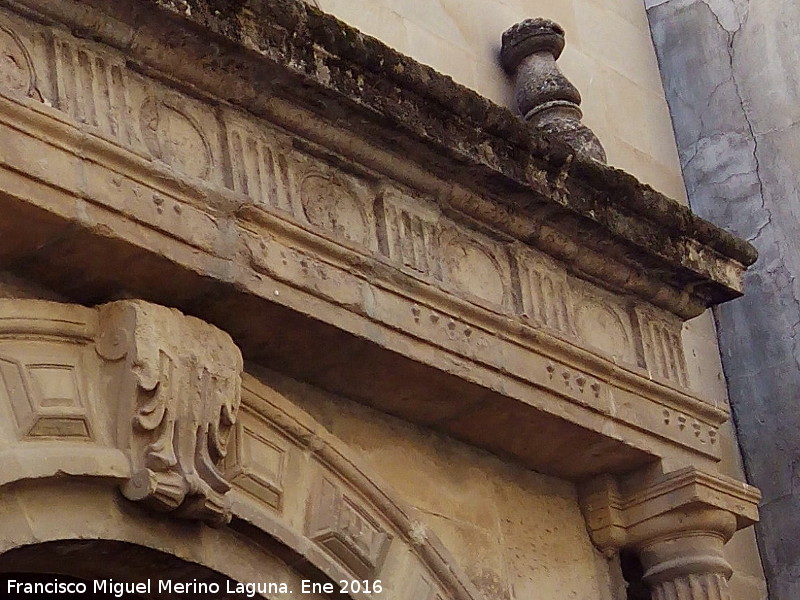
<point x="713" y="586"/>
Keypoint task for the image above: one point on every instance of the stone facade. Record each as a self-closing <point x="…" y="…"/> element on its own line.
<point x="730" y="73"/>
<point x="278" y="293"/>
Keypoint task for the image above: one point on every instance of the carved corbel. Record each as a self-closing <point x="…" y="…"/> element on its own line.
<point x="176" y="381"/>
<point x="678" y="524"/>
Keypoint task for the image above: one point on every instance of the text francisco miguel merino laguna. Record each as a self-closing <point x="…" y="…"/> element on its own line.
<point x="167" y="586"/>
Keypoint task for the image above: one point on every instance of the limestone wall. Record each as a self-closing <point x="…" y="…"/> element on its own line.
<point x="516" y="533"/>
<point x="731" y="74"/>
<point x="609" y="57"/>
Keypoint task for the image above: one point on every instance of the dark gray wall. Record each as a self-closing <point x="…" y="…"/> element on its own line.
<point x="731" y="71"/>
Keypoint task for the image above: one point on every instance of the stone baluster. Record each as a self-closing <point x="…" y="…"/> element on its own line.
<point x="544" y="96"/>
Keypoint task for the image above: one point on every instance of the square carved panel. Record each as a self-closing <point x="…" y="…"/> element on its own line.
<point x="45" y="392"/>
<point x="256" y="463"/>
<point x="339" y="524"/>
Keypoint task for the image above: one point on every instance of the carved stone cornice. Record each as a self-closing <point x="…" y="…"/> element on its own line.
<point x="298" y="234"/>
<point x="334" y="73"/>
<point x="177" y="383"/>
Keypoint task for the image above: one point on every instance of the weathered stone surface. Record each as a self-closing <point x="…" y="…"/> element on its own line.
<point x="348" y="217"/>
<point x="546" y="98"/>
<point x="394" y="267"/>
<point x="453" y="124"/>
<point x="730" y="75"/>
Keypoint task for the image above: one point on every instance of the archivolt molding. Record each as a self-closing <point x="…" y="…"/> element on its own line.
<point x="356" y="523"/>
<point x="171" y="424"/>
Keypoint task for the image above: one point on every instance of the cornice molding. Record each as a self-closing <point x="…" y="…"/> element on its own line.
<point x="320" y="69"/>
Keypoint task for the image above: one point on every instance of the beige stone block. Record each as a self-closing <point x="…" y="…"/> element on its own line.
<point x="639" y="117"/>
<point x="703" y="359"/>
<point x="442" y="18"/>
<point x="478" y="552"/>
<point x="483" y="37"/>
<point x="616" y="42"/>
<point x="463" y="487"/>
<point x="562" y="12"/>
<point x="586" y="74"/>
<point x="442" y="55"/>
<point x="632" y="11"/>
<point x="545" y="544"/>
<point x="492" y="82"/>
<point x="640" y="164"/>
<point x="742" y="552"/>
<point x="747" y="588"/>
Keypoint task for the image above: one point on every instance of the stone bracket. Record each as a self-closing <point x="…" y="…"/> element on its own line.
<point x="178" y="383"/>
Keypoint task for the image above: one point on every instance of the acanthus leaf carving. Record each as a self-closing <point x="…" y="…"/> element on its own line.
<point x="178" y="380"/>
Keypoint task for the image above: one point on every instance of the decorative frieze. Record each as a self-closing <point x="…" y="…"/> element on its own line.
<point x="332" y="203"/>
<point x="546" y="298"/>
<point x="408" y="232"/>
<point x="602" y="323"/>
<point x="259" y="163"/>
<point x="94" y="86"/>
<point x="177" y="381"/>
<point x="17" y="73"/>
<point x="175" y="136"/>
<point x="476" y="266"/>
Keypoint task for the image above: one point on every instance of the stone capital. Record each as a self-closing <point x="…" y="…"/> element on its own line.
<point x="622" y="514"/>
<point x="677" y="523"/>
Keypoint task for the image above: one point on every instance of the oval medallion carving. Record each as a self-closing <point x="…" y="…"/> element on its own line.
<point x="472" y="269"/>
<point x="16" y="69"/>
<point x="604" y="329"/>
<point x="328" y="204"/>
<point x="174" y="137"/>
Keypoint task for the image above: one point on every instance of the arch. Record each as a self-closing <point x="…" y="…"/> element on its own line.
<point x="285" y="491"/>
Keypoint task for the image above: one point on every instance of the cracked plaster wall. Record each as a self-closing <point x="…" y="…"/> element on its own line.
<point x="731" y="72"/>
